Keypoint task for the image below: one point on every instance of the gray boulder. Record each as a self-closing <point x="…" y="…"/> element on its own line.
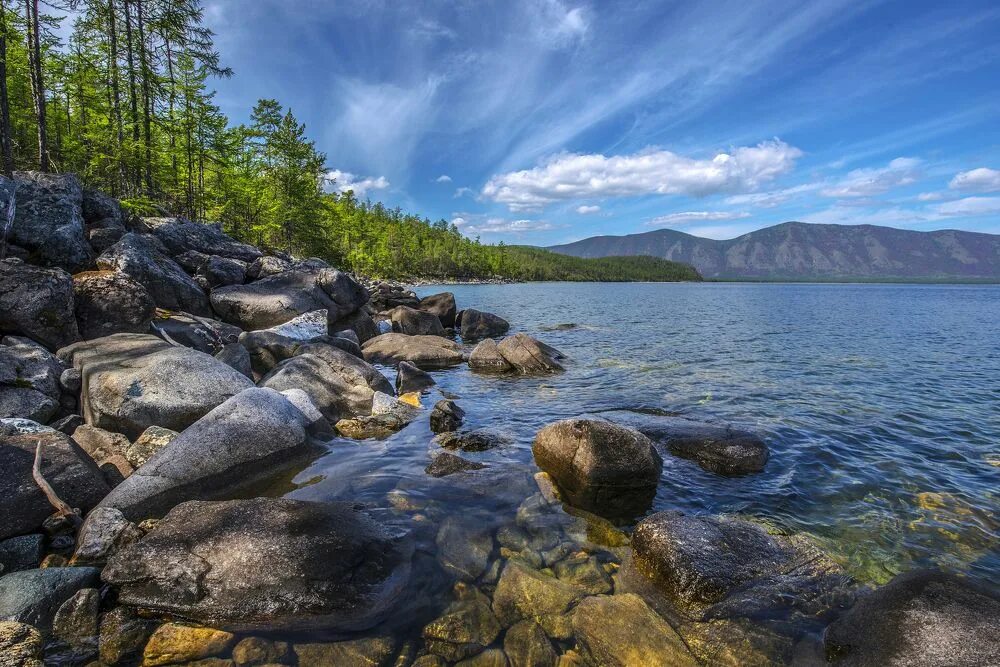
<point x="23" y="552"/>
<point x="108" y="302"/>
<point x="409" y="378"/>
<point x="414" y="322"/>
<point x="267" y="348"/>
<point x="249" y="437"/>
<point x="179" y="235"/>
<point x="201" y="333"/>
<point x="142" y="258"/>
<point x="38" y="303"/>
<point x="304" y="327"/>
<point x="34" y="596"/>
<point x="424" y="352"/>
<point x="601" y="467"/>
<point x="486" y="358"/>
<point x="104" y="532"/>
<point x="98" y="207"/>
<point x="529" y="356"/>
<point x="301" y="565"/>
<point x="265" y="266"/>
<point x="442" y="306"/>
<point x="29" y="380"/>
<point x="134" y="381"/>
<point x="49" y="220"/>
<point x="475" y="324"/>
<point x="446" y="416"/>
<point x="359" y="322"/>
<point x="236" y="357"/>
<point x="222" y="271"/>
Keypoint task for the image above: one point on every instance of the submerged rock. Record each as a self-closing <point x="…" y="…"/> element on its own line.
<point x="486" y="358"/>
<point x="621" y="631"/>
<point x="524" y="593"/>
<point x="529" y="356"/>
<point x="445" y="464"/>
<point x="424" y="352"/>
<point x="123" y="635"/>
<point x="464" y="547"/>
<point x="736" y="643"/>
<point x="301" y="565"/>
<point x="364" y="652"/>
<point x="38" y="303"/>
<point x="478" y="440"/>
<point x="173" y="643"/>
<point x="526" y="645"/>
<point x="467" y="627"/>
<point x="475" y="324"/>
<point x="446" y="416"/>
<point x="442" y="306"/>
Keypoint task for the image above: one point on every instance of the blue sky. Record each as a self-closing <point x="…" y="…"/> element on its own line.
<point x="546" y="121"/>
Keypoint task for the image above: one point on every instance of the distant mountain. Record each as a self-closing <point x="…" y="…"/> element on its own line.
<point x="802" y="251"/>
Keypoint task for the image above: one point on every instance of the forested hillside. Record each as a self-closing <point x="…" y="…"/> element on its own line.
<point x="126" y="103"/>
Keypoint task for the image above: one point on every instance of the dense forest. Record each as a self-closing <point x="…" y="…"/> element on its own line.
<point x="125" y="102"/>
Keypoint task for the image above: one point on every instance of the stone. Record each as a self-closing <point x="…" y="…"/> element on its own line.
<point x="491" y="657"/>
<point x="150" y="441"/>
<point x="486" y="358"/>
<point x="424" y="352"/>
<point x="67" y="468"/>
<point x="104" y="532"/>
<point x="410" y="378"/>
<point x="527" y="646"/>
<point x="123" y="636"/>
<point x="475" y="324"/>
<point x="259" y="651"/>
<point x="529" y="356"/>
<point x="29" y="380"/>
<point x="430" y="660"/>
<point x="359" y="322"/>
<point x="600" y="467"/>
<point x="267" y="349"/>
<point x="730" y="643"/>
<point x="442" y="306"/>
<point x="478" y="440"/>
<point x="143" y="259"/>
<point x="99" y="207"/>
<point x="318" y="424"/>
<point x="34" y="596"/>
<point x="466" y="628"/>
<point x="179" y="235"/>
<point x="20" y="645"/>
<point x="102" y="238"/>
<point x="201" y="333"/>
<point x="108" y="302"/>
<point x="21" y="553"/>
<point x="376" y="651"/>
<point x="265" y="266"/>
<point x="236" y="357"/>
<point x="100" y="444"/>
<point x="301" y="566"/>
<point x="134" y="381"/>
<point x="71" y="380"/>
<point x="370" y="426"/>
<point x="526" y="594"/>
<point x="48" y="220"/>
<point x="584" y="571"/>
<point x="252" y="435"/>
<point x="76" y="621"/>
<point x="446" y="416"/>
<point x="38" y="303"/>
<point x="221" y="271"/>
<point x="414" y="322"/>
<point x="621" y="631"/>
<point x="445" y="464"/>
<point x="719" y="449"/>
<point x="922" y="618"/>
<point x="27" y="404"/>
<point x="464" y="547"/>
<point x="173" y="643"/>
<point x="304" y="327"/>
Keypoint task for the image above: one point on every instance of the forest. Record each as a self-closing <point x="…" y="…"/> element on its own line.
<point x="125" y="101"/>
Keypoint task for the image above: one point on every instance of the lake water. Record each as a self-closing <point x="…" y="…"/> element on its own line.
<point x="880" y="404"/>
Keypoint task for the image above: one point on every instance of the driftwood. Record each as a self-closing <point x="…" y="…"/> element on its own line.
<point x="62" y="509"/>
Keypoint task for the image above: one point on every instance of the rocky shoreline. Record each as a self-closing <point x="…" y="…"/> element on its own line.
<point x="155" y="373"/>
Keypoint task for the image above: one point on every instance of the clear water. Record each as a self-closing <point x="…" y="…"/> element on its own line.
<point x="880" y="403"/>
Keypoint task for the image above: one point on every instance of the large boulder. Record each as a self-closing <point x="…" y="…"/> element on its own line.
<point x="201" y="333"/>
<point x="622" y="630"/>
<point x="409" y="378"/>
<point x="48" y="220"/>
<point x="304" y="327"/>
<point x="38" y="303"/>
<point x="359" y="322"/>
<point x="266" y="564"/>
<point x="441" y="305"/>
<point x="144" y="259"/>
<point x="29" y="380"/>
<point x="486" y="358"/>
<point x="415" y="322"/>
<point x="425" y="352"/>
<point x="34" y="596"/>
<point x="601" y="467"/>
<point x="249" y="437"/>
<point x="265" y="266"/>
<point x="720" y="449"/>
<point x="222" y="271"/>
<point x="179" y="236"/>
<point x="134" y="381"/>
<point x="529" y="356"/>
<point x="526" y="594"/>
<point x="101" y="208"/>
<point x="475" y="324"/>
<point x="72" y="474"/>
<point x="276" y="299"/>
<point x="108" y="302"/>
<point x="923" y="618"/>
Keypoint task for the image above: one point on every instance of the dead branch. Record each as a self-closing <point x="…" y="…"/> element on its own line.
<point x="62" y="509"/>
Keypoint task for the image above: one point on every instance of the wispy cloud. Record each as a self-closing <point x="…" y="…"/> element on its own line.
<point x="587" y="210"/>
<point x="443" y="178"/>
<point x="875" y="181"/>
<point x="982" y="179"/>
<point x="685" y="217"/>
<point x="470" y="223"/>
<point x="969" y="206"/>
<point x="342" y="181"/>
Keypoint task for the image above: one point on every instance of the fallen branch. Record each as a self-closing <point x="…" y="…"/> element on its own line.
<point x="62" y="509"/>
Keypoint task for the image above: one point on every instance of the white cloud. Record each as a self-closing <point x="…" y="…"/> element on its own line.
<point x="558" y="26"/>
<point x="342" y="181"/>
<point x="929" y="196"/>
<point x="587" y="210"/>
<point x="573" y="176"/>
<point x="773" y="198"/>
<point x="983" y="179"/>
<point x="849" y="215"/>
<point x="875" y="181"/>
<point x="471" y="223"/>
<point x="969" y="206"/>
<point x="695" y="216"/>
<point x="461" y="192"/>
<point x="443" y="178"/>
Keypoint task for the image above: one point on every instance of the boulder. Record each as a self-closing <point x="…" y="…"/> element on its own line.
<point x="413" y="322"/>
<point x="222" y="271"/>
<point x="276" y="299"/>
<point x="38" y="303"/>
<point x="302" y="328"/>
<point x="67" y="468"/>
<point x="48" y="220"/>
<point x="409" y="378"/>
<point x="599" y="466"/>
<point x="359" y="322"/>
<point x="371" y="426"/>
<point x="76" y="622"/>
<point x="300" y="566"/>
<point x="526" y="645"/>
<point x="464" y="547"/>
<point x="104" y="532"/>
<point x="477" y="440"/>
<point x="738" y="643"/>
<point x="236" y="357"/>
<point x="99" y="207"/>
<point x="143" y="259"/>
<point x="20" y="645"/>
<point x="173" y="643"/>
<point x="424" y="352"/>
<point x="34" y="596"/>
<point x="134" y="381"/>
<point x="260" y="651"/>
<point x="445" y="464"/>
<point x="373" y="651"/>
<point x="529" y="356"/>
<point x="526" y="594"/>
<point x="123" y="636"/>
<point x="250" y="436"/>
<point x="29" y="380"/>
<point x="152" y="440"/>
<point x="179" y="235"/>
<point x="201" y="333"/>
<point x="475" y="324"/>
<point x="265" y="266"/>
<point x="466" y="628"/>
<point x="486" y="358"/>
<point x="923" y="618"/>
<point x="446" y="416"/>
<point x="108" y="302"/>
<point x="719" y="449"/>
<point x="267" y="348"/>
<point x="100" y="444"/>
<point x="621" y="631"/>
<point x="24" y="552"/>
<point x="442" y="306"/>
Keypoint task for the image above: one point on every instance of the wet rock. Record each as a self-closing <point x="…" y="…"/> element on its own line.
<point x="719" y="449"/>
<point x="492" y="657"/>
<point x="529" y="356"/>
<point x="253" y="434"/>
<point x="29" y="380"/>
<point x="430" y="661"/>
<point x="729" y="643"/>
<point x="424" y="352"/>
<point x="621" y="630"/>
<point x="523" y="593"/>
<point x="441" y="306"/>
<point x="584" y="571"/>
<point x="413" y="322"/>
<point x="150" y="441"/>
<point x="236" y="357"/>
<point x="20" y="645"/>
<point x="34" y="596"/>
<point x="527" y="646"/>
<point x="365" y="652"/>
<point x="21" y="553"/>
<point x="467" y="627"/>
<point x="67" y="468"/>
<point x="38" y="303"/>
<point x="260" y="651"/>
<point x="265" y="266"/>
<point x="76" y="621"/>
<point x="446" y="416"/>
<point x="143" y="259"/>
<point x="486" y="358"/>
<point x="173" y="643"/>
<point x="134" y="381"/>
<point x="302" y="565"/>
<point x="475" y="324"/>
<point x="919" y="619"/>
<point x="478" y="440"/>
<point x="445" y="464"/>
<point x="601" y="467"/>
<point x="48" y="220"/>
<point x="201" y="333"/>
<point x="464" y="547"/>
<point x="371" y="426"/>
<point x="108" y="302"/>
<point x="104" y="532"/>
<point x="410" y="378"/>
<point x="179" y="235"/>
<point x="123" y="635"/>
<point x="359" y="323"/>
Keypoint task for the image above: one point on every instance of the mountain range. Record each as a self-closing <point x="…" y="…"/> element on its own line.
<point x="804" y="251"/>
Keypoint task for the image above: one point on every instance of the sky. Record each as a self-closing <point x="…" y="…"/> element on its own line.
<point x="547" y="121"/>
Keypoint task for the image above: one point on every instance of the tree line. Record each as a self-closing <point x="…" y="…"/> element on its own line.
<point x="125" y="102"/>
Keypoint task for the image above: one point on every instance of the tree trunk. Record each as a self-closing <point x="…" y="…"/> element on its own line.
<point x="37" y="81"/>
<point x="133" y="95"/>
<point x="116" y="105"/>
<point x="5" y="138"/>
<point x="146" y="99"/>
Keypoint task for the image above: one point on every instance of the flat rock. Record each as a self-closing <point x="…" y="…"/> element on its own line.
<point x="48" y="220"/>
<point x="530" y="356"/>
<point x="475" y="324"/>
<point x="442" y="306"/>
<point x="38" y="303"/>
<point x="108" y="302"/>
<point x="34" y="596"/>
<point x="621" y="631"/>
<point x="424" y="352"/>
